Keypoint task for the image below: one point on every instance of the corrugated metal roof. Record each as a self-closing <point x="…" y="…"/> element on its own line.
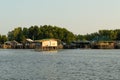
<point x="30" y="40"/>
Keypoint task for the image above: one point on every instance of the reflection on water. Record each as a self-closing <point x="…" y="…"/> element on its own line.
<point x="61" y="65"/>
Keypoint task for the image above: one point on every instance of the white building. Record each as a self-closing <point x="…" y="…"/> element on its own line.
<point x="47" y="44"/>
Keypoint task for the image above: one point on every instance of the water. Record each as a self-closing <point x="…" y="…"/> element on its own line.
<point x="73" y="64"/>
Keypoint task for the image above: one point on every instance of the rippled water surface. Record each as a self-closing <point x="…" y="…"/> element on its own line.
<point x="73" y="64"/>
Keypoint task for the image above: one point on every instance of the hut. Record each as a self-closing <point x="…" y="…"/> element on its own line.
<point x="28" y="44"/>
<point x="80" y="44"/>
<point x="0" y="45"/>
<point x="117" y="45"/>
<point x="46" y="44"/>
<point x="103" y="45"/>
<point x="7" y="45"/>
<point x="12" y="45"/>
<point x="16" y="45"/>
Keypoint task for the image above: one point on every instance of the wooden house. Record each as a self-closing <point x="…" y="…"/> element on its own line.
<point x="7" y="45"/>
<point x="47" y="44"/>
<point x="103" y="45"/>
<point x="0" y="45"/>
<point x="117" y="45"/>
<point x="80" y="44"/>
<point x="28" y="44"/>
<point x="12" y="45"/>
<point x="16" y="45"/>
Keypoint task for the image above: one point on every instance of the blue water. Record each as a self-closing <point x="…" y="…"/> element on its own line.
<point x="76" y="64"/>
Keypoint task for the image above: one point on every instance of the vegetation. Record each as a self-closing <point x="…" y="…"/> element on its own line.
<point x="3" y="38"/>
<point x="47" y="31"/>
<point x="42" y="32"/>
<point x="101" y="35"/>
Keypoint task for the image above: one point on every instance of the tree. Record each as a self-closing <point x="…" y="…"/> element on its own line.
<point x="11" y="35"/>
<point x="25" y="32"/>
<point x="16" y="34"/>
<point x="118" y="34"/>
<point x="0" y="39"/>
<point x="34" y="32"/>
<point x="80" y="37"/>
<point x="42" y="32"/>
<point x="3" y="39"/>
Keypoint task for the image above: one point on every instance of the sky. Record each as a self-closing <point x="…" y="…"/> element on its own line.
<point x="78" y="16"/>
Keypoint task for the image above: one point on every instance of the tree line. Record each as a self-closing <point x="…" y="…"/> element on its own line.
<point x="41" y="32"/>
<point x="101" y="35"/>
<point x="47" y="31"/>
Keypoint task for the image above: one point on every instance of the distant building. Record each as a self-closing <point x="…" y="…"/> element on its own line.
<point x="47" y="44"/>
<point x="0" y="45"/>
<point x="16" y="45"/>
<point x="117" y="46"/>
<point x="29" y="44"/>
<point x="12" y="45"/>
<point x="80" y="44"/>
<point x="7" y="45"/>
<point x="103" y="45"/>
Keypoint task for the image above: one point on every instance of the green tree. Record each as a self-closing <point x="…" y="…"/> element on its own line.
<point x="11" y="35"/>
<point x="118" y="34"/>
<point x="25" y="32"/>
<point x="3" y="39"/>
<point x="42" y="32"/>
<point x="80" y="37"/>
<point x="34" y="32"/>
<point x="0" y="39"/>
<point x="16" y="34"/>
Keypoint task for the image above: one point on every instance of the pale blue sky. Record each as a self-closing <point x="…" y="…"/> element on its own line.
<point x="78" y="16"/>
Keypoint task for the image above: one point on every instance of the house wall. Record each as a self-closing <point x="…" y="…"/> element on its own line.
<point x="50" y="43"/>
<point x="6" y="46"/>
<point x="106" y="45"/>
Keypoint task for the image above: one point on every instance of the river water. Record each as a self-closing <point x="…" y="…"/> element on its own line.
<point x="76" y="64"/>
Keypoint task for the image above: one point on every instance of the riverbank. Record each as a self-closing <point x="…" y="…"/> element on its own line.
<point x="51" y="44"/>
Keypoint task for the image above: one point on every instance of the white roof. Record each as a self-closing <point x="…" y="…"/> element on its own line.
<point x="30" y="40"/>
